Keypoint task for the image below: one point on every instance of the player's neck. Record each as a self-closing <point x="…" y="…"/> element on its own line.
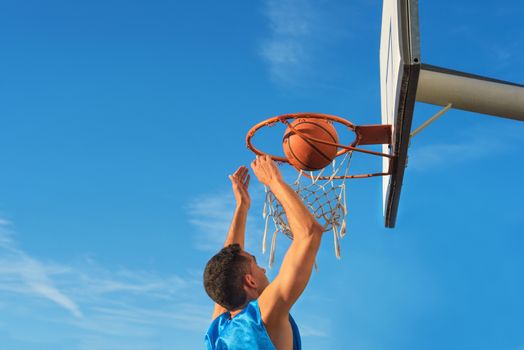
<point x="236" y="312"/>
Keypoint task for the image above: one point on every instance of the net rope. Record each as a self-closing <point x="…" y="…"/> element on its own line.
<point x="324" y="196"/>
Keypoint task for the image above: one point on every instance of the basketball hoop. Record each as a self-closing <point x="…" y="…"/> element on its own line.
<point x="324" y="192"/>
<point x="364" y="135"/>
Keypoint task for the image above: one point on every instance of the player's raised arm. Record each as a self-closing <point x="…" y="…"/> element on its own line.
<point x="240" y="184"/>
<point x="277" y="299"/>
<point x="237" y="229"/>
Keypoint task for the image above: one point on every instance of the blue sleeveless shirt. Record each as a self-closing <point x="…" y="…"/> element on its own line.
<point x="244" y="331"/>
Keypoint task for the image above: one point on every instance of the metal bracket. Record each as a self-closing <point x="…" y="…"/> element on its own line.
<point x="373" y="134"/>
<point x="430" y="120"/>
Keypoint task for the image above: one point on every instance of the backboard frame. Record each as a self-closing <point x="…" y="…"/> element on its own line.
<point x="399" y="73"/>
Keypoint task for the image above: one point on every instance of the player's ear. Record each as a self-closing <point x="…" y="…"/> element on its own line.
<point x="249" y="280"/>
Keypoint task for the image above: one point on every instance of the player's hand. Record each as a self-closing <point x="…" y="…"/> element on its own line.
<point x="266" y="170"/>
<point x="240" y="183"/>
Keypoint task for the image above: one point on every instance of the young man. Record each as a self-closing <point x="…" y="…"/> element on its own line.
<point x="250" y="312"/>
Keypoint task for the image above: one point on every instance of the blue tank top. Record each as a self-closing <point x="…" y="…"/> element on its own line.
<point x="244" y="331"/>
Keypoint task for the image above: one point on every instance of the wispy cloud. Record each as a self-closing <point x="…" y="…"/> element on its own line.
<point x="289" y="48"/>
<point x="105" y="306"/>
<point x="211" y="214"/>
<point x="476" y="143"/>
<point x="19" y="272"/>
<point x="308" y="331"/>
<point x="4" y="222"/>
<point x="431" y="156"/>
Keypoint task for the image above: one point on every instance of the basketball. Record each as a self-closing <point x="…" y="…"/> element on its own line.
<point x="306" y="154"/>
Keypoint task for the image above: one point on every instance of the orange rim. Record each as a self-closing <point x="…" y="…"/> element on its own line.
<point x="284" y="120"/>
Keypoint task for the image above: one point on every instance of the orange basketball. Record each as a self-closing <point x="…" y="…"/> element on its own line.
<point x="306" y="154"/>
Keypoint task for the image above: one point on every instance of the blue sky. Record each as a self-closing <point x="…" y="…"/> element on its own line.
<point x="122" y="119"/>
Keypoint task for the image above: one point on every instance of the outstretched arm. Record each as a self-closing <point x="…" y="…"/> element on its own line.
<point x="278" y="298"/>
<point x="237" y="229"/>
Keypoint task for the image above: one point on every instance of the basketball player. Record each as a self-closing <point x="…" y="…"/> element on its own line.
<point x="250" y="312"/>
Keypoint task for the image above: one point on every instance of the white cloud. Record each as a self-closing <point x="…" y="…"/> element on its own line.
<point x="437" y="155"/>
<point x="107" y="305"/>
<point x="19" y="272"/>
<point x="4" y="222"/>
<point x="476" y="143"/>
<point x="290" y="45"/>
<point x="104" y="282"/>
<point x="308" y="331"/>
<point x="211" y="214"/>
<point x="290" y="17"/>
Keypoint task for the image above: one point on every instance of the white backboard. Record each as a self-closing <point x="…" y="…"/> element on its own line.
<point x="399" y="71"/>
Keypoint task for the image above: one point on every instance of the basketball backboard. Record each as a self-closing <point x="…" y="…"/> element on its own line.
<point x="399" y="72"/>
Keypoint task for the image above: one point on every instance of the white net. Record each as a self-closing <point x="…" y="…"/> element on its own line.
<point x="323" y="194"/>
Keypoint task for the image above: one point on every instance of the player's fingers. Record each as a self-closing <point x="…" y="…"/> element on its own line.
<point x="247" y="180"/>
<point x="243" y="173"/>
<point x="269" y="160"/>
<point x="237" y="172"/>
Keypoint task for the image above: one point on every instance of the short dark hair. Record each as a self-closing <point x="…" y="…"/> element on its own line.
<point x="223" y="277"/>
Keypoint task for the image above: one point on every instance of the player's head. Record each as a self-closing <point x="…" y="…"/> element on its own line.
<point x="232" y="278"/>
